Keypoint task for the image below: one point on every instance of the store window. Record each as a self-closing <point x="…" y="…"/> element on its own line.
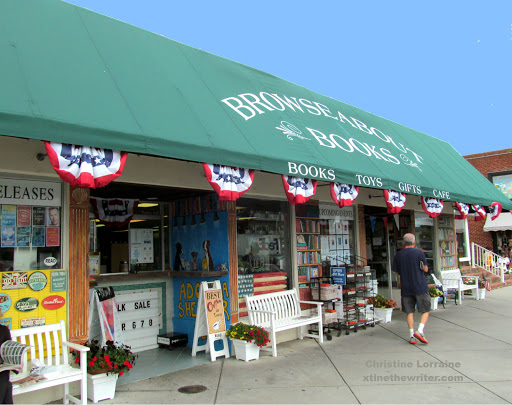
<point x="263" y="244"/>
<point x="30" y="225"/>
<point x="503" y="181"/>
<point x="337" y="239"/>
<point x="424" y="228"/>
<point x="140" y="243"/>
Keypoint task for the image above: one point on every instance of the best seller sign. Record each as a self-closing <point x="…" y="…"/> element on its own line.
<point x="27" y="192"/>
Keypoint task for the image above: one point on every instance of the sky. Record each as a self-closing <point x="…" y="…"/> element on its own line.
<point x="440" y="67"/>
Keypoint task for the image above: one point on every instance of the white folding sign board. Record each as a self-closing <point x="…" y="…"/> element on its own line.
<point x="207" y="320"/>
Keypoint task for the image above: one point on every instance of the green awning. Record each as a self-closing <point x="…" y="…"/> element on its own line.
<point x="70" y="75"/>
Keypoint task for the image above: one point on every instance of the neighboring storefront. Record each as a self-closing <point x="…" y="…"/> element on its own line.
<point x="495" y="234"/>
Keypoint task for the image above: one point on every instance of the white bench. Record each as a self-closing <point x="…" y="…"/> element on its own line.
<point x="453" y="279"/>
<point x="279" y="311"/>
<point x="40" y="338"/>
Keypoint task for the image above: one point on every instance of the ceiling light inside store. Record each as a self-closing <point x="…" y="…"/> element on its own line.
<point x="137" y="220"/>
<point x="147" y="205"/>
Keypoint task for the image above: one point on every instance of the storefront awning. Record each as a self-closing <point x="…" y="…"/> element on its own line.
<point x="70" y="75"/>
<point x="502" y="223"/>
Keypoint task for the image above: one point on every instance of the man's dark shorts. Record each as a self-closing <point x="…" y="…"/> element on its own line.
<point x="409" y="303"/>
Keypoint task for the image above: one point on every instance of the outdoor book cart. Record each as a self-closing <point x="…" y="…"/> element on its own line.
<point x="356" y="292"/>
<point x="324" y="290"/>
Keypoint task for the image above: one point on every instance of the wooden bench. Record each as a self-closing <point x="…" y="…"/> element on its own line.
<point x="279" y="311"/>
<point x="48" y="352"/>
<point x="453" y="279"/>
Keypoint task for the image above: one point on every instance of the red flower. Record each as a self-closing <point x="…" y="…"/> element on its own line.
<point x="107" y="358"/>
<point x="77" y="360"/>
<point x="91" y="364"/>
<point x="130" y="366"/>
<point x="94" y="358"/>
<point x="115" y="366"/>
<point x="120" y="373"/>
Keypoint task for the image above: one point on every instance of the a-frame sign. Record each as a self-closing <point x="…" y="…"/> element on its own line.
<point x="210" y="321"/>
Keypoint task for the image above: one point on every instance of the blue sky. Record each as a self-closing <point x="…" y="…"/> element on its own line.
<point x="440" y="67"/>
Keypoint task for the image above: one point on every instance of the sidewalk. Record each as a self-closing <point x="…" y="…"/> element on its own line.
<point x="468" y="360"/>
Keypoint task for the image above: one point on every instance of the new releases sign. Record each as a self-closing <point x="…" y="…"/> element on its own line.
<point x="26" y="192"/>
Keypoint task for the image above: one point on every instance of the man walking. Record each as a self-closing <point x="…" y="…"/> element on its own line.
<point x="410" y="263"/>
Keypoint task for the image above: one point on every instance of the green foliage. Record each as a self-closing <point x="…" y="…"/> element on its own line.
<point x="249" y="333"/>
<point x="110" y="358"/>
<point x="434" y="292"/>
<point x="379" y="301"/>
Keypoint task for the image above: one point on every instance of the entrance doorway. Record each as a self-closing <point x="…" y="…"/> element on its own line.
<point x="384" y="237"/>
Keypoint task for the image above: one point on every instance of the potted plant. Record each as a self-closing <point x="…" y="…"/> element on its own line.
<point x="434" y="297"/>
<point x="247" y="340"/>
<point x="383" y="307"/>
<point x="104" y="365"/>
<point x="481" y="289"/>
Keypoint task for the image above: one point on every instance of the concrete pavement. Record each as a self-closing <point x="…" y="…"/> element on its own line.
<point x="468" y="360"/>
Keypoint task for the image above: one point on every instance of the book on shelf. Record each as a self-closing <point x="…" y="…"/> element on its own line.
<point x="12" y="356"/>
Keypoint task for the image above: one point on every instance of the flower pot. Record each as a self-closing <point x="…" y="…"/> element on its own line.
<point x="384" y="314"/>
<point x="245" y="351"/>
<point x="101" y="386"/>
<point x="481" y="293"/>
<point x="433" y="303"/>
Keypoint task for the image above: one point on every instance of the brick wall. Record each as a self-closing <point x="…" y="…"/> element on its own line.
<point x="485" y="163"/>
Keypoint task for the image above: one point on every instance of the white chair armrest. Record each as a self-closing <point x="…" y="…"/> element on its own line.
<point x="75" y="346"/>
<point x="311" y="302"/>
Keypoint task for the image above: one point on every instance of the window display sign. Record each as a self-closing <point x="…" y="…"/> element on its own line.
<point x="15" y="280"/>
<point x="141" y="246"/>
<point x="37" y="281"/>
<point x="26" y="192"/>
<point x="24" y="304"/>
<point x="59" y="280"/>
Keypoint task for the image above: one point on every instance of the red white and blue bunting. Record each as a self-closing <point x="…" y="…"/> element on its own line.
<point x="114" y="212"/>
<point x="298" y="189"/>
<point x="84" y="166"/>
<point x="495" y="210"/>
<point x="344" y="194"/>
<point x="432" y="206"/>
<point x="228" y="182"/>
<point x="479" y="212"/>
<point x="461" y="210"/>
<point x="395" y="201"/>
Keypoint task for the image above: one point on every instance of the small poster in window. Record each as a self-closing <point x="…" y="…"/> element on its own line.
<point x="8" y="236"/>
<point x="8" y="215"/>
<point x="52" y="235"/>
<point x="24" y="215"/>
<point x="53" y="216"/>
<point x="38" y="236"/>
<point x="94" y="264"/>
<point x="23" y="236"/>
<point x="38" y="215"/>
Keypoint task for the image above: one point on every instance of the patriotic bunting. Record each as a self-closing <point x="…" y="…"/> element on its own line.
<point x="84" y="166"/>
<point x="495" y="210"/>
<point x="432" y="206"/>
<point x="298" y="190"/>
<point x="394" y="200"/>
<point x="228" y="182"/>
<point x="114" y="212"/>
<point x="461" y="210"/>
<point x="344" y="194"/>
<point x="479" y="212"/>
